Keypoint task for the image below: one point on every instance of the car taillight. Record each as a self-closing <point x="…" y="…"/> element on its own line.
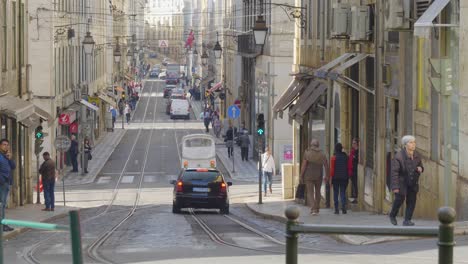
<point x="223" y="187"/>
<point x="179" y="186"/>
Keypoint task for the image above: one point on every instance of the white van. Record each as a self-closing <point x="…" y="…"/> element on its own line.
<point x="180" y="108"/>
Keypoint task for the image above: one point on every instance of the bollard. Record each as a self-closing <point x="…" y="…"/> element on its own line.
<point x="446" y="239"/>
<point x="292" y="213"/>
<point x="75" y="234"/>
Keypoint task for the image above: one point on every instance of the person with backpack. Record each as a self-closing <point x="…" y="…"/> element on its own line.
<point x="339" y="177"/>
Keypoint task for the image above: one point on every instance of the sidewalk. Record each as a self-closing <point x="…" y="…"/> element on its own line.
<point x="273" y="208"/>
<point x="32" y="212"/>
<point x="101" y="153"/>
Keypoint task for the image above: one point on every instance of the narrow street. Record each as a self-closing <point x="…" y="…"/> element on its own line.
<point x="126" y="213"/>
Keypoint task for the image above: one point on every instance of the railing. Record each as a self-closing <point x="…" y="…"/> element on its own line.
<point x="74" y="228"/>
<point x="444" y="232"/>
<point x="246" y="45"/>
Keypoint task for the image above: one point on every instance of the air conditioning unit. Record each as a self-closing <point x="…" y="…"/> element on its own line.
<point x="360" y="23"/>
<point x="397" y="14"/>
<point x="341" y="20"/>
<point x="420" y="6"/>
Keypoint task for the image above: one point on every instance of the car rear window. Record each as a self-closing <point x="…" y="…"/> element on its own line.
<point x="208" y="176"/>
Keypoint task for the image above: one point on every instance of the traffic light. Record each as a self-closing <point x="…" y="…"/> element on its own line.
<point x="39" y="134"/>
<point x="260" y="124"/>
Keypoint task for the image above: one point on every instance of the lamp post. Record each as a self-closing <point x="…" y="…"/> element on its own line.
<point x="204" y="57"/>
<point x="217" y="48"/>
<point x="117" y="56"/>
<point x="260" y="30"/>
<point x="88" y="46"/>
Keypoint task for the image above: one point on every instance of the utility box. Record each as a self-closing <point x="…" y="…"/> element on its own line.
<point x="360" y="23"/>
<point x="287" y="180"/>
<point x="341" y="20"/>
<point x="397" y="14"/>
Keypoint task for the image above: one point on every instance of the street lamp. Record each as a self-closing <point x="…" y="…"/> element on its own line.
<point x="204" y="57"/>
<point x="217" y="48"/>
<point x="117" y="54"/>
<point x="88" y="43"/>
<point x="129" y="55"/>
<point x="195" y="51"/>
<point x="260" y="30"/>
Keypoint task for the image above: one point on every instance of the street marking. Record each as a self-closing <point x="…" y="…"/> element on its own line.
<point x="150" y="178"/>
<point x="104" y="179"/>
<point x="250" y="241"/>
<point x="127" y="179"/>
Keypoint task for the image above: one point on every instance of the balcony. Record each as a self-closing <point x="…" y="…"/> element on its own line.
<point x="246" y="46"/>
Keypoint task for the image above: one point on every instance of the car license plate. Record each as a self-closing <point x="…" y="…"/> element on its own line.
<point x="195" y="189"/>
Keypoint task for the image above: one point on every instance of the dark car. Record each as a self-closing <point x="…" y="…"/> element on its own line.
<point x="154" y="74"/>
<point x="172" y="78"/>
<point x="201" y="188"/>
<point x="168" y="90"/>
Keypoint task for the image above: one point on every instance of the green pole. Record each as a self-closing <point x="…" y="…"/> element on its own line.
<point x="75" y="233"/>
<point x="292" y="213"/>
<point x="446" y="239"/>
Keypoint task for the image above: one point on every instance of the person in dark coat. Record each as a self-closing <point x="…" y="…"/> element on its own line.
<point x="229" y="139"/>
<point x="74" y="150"/>
<point x="339" y="177"/>
<point x="406" y="168"/>
<point x="245" y="143"/>
<point x="47" y="171"/>
<point x="353" y="170"/>
<point x="7" y="165"/>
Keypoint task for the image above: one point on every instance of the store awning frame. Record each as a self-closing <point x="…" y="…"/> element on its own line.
<point x="306" y="103"/>
<point x="89" y="105"/>
<point x="15" y="107"/>
<point x="207" y="80"/>
<point x="322" y="72"/>
<point x="293" y="91"/>
<point x="422" y="27"/>
<point x="43" y="115"/>
<point x="303" y="97"/>
<point x="108" y="100"/>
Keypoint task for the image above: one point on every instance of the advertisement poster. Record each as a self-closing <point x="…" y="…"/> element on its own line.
<point x="288" y="152"/>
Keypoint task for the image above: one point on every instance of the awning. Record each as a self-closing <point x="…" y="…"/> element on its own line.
<point x="119" y="89"/>
<point x="303" y="97"/>
<point x="15" y="107"/>
<point x="287" y="98"/>
<point x="32" y="121"/>
<point x="89" y="105"/>
<point x="302" y="106"/>
<point x="423" y="25"/>
<point x="334" y="70"/>
<point x="43" y="114"/>
<point x="108" y="100"/>
<point x="216" y="87"/>
<point x="207" y="80"/>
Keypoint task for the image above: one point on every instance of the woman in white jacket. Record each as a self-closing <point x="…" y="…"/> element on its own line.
<point x="269" y="169"/>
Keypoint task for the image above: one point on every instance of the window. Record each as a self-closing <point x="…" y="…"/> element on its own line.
<point x="5" y="35"/>
<point x="13" y="33"/>
<point x="310" y="15"/>
<point x="319" y="16"/>
<point x="21" y="31"/>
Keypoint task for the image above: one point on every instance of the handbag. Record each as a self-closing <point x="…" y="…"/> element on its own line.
<point x="300" y="191"/>
<point x="90" y="157"/>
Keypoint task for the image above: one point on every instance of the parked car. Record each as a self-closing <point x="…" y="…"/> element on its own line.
<point x="162" y="75"/>
<point x="168" y="90"/>
<point x="154" y="74"/>
<point x="172" y="78"/>
<point x="153" y="55"/>
<point x="180" y="108"/>
<point x="201" y="188"/>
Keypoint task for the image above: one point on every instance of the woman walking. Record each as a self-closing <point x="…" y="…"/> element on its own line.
<point x="127" y="112"/>
<point x="269" y="169"/>
<point x="87" y="155"/>
<point x="339" y="177"/>
<point x="217" y="127"/>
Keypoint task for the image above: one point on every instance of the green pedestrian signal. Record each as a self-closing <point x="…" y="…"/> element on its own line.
<point x="260" y="131"/>
<point x="260" y="125"/>
<point x="39" y="134"/>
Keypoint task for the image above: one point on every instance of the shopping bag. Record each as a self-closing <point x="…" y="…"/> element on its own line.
<point x="300" y="191"/>
<point x="41" y="187"/>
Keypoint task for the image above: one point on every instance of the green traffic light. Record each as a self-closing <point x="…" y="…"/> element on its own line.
<point x="39" y="135"/>
<point x="260" y="131"/>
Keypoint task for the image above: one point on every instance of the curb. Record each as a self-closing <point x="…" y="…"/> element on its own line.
<point x="21" y="230"/>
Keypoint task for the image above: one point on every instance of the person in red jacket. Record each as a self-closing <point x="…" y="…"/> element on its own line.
<point x="352" y="170"/>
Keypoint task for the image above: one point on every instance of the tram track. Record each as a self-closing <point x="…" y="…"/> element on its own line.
<point x="30" y="254"/>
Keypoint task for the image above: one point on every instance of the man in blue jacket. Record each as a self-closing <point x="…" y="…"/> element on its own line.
<point x="6" y="167"/>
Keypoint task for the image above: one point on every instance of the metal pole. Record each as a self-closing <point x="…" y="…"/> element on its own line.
<point x="38" y="194"/>
<point x="63" y="178"/>
<point x="447" y="149"/>
<point x="446" y="239"/>
<point x="233" y="143"/>
<point x="82" y="137"/>
<point x="75" y="234"/>
<point x="292" y="213"/>
<point x="259" y="172"/>
<point x="1" y="233"/>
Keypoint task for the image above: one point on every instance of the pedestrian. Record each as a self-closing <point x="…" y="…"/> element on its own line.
<point x="268" y="169"/>
<point x="405" y="172"/>
<point x="113" y="112"/>
<point x="339" y="178"/>
<point x="47" y="171"/>
<point x="207" y="120"/>
<point x="217" y="127"/>
<point x="229" y="139"/>
<point x="245" y="143"/>
<point x="352" y="169"/>
<point x="73" y="151"/>
<point x="7" y="165"/>
<point x="87" y="155"/>
<point x="127" y="112"/>
<point x="314" y="163"/>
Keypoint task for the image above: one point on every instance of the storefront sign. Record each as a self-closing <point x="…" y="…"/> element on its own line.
<point x="67" y="118"/>
<point x="94" y="100"/>
<point x="73" y="128"/>
<point x="287" y="152"/>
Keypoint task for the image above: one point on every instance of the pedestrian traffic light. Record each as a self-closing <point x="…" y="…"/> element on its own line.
<point x="260" y="124"/>
<point x="38" y="133"/>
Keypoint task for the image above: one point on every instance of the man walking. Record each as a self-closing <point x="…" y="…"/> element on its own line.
<point x="7" y="165"/>
<point x="406" y="168"/>
<point x="352" y="169"/>
<point x="229" y="139"/>
<point x="314" y="163"/>
<point x="47" y="171"/>
<point x="245" y="143"/>
<point x="114" y="116"/>
<point x="74" y="149"/>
